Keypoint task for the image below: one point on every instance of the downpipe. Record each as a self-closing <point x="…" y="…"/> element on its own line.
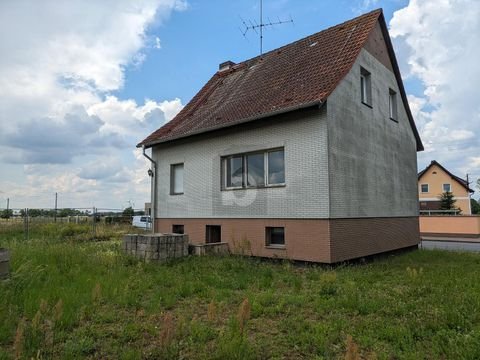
<point x="153" y="186"/>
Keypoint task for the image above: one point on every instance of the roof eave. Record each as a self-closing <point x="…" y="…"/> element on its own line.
<point x="318" y="103"/>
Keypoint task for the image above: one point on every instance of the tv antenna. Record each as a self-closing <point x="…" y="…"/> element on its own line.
<point x="258" y="27"/>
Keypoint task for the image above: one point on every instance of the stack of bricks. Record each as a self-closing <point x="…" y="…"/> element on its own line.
<point x="156" y="247"/>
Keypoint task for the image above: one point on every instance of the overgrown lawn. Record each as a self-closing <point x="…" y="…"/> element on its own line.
<point x="71" y="298"/>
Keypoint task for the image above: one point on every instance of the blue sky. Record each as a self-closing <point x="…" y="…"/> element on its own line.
<point x="82" y="82"/>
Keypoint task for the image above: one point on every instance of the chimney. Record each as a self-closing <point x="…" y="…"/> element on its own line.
<point x="227" y="65"/>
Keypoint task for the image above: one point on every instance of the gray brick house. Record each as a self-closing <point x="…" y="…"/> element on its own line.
<point x="307" y="152"/>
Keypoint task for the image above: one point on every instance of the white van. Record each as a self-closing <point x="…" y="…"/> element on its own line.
<point x="142" y="221"/>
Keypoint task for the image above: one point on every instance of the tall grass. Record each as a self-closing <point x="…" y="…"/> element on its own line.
<point x="72" y="298"/>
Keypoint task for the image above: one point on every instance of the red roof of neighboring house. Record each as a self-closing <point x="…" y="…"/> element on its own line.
<point x="461" y="181"/>
<point x="298" y="75"/>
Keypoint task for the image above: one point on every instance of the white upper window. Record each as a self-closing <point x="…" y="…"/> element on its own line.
<point x="447" y="188"/>
<point x="176" y="179"/>
<point x="392" y="104"/>
<point x="424" y="188"/>
<point x="256" y="169"/>
<point x="366" y="86"/>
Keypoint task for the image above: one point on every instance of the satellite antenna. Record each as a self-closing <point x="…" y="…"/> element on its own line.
<point x="254" y="26"/>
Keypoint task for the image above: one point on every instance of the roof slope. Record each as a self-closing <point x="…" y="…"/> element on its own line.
<point x="301" y="74"/>
<point x="461" y="181"/>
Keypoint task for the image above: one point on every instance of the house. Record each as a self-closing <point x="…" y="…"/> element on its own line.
<point x="307" y="152"/>
<point x="435" y="180"/>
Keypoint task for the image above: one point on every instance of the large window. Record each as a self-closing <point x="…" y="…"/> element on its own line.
<point x="176" y="179"/>
<point x="424" y="188"/>
<point x="275" y="236"/>
<point x="256" y="169"/>
<point x="366" y="87"/>
<point x="392" y="104"/>
<point x="178" y="229"/>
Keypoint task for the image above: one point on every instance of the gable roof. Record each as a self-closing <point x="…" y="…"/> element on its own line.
<point x="461" y="181"/>
<point x="298" y="75"/>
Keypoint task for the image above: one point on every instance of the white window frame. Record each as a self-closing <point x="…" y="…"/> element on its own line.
<point x="172" y="179"/>
<point x="366" y="86"/>
<point x="392" y="105"/>
<point x="449" y="187"/>
<point x="244" y="156"/>
<point x="421" y="189"/>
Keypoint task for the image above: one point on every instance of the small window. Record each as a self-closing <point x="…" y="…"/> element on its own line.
<point x="177" y="229"/>
<point x="176" y="179"/>
<point x="275" y="236"/>
<point x="213" y="234"/>
<point x="447" y="188"/>
<point x="392" y="104"/>
<point x="366" y="87"/>
<point x="424" y="188"/>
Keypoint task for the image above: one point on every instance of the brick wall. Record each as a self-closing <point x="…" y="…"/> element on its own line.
<point x="306" y="240"/>
<point x="354" y="238"/>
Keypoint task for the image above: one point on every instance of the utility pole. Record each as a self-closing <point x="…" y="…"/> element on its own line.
<point x="55" y="215"/>
<point x="8" y="204"/>
<point x="469" y="196"/>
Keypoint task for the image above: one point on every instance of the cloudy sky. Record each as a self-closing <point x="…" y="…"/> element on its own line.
<point x="82" y="82"/>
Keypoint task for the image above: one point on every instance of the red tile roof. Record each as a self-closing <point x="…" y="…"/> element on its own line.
<point x="303" y="73"/>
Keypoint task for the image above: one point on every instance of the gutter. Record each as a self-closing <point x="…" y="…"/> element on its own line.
<point x="318" y="103"/>
<point x="153" y="188"/>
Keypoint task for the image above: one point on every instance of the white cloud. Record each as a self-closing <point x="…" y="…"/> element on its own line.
<point x="58" y="65"/>
<point x="437" y="43"/>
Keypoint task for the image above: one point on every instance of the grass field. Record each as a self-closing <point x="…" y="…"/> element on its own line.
<point x="71" y="298"/>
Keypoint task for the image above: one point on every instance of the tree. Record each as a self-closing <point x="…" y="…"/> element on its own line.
<point x="475" y="206"/>
<point x="447" y="202"/>
<point x="128" y="211"/>
<point x="6" y="214"/>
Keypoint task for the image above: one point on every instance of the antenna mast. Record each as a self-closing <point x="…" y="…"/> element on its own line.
<point x="254" y="26"/>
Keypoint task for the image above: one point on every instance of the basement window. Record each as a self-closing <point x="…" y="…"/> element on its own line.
<point x="178" y="229"/>
<point x="275" y="237"/>
<point x="366" y="87"/>
<point x="447" y="188"/>
<point x="176" y="179"/>
<point x="213" y="234"/>
<point x="392" y="104"/>
<point x="424" y="188"/>
<point x="254" y="170"/>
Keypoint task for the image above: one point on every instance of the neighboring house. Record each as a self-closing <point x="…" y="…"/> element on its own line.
<point x="306" y="152"/>
<point x="435" y="180"/>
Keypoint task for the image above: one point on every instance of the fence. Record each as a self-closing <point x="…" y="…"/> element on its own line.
<point x="454" y="212"/>
<point x="94" y="223"/>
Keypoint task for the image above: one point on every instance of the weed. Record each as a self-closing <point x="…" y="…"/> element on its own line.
<point x="243" y="314"/>
<point x="351" y="352"/>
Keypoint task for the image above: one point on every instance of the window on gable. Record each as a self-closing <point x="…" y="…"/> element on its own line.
<point x="176" y="179"/>
<point x="424" y="188"/>
<point x="447" y="188"/>
<point x="392" y="104"/>
<point x="252" y="170"/>
<point x="366" y="86"/>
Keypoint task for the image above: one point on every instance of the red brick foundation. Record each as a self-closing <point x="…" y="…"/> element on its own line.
<point x="317" y="240"/>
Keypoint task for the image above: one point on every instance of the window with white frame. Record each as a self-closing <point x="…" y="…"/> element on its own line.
<point x="366" y="86"/>
<point x="255" y="169"/>
<point x="392" y="104"/>
<point x="447" y="188"/>
<point x="424" y="188"/>
<point x="275" y="236"/>
<point x="176" y="179"/>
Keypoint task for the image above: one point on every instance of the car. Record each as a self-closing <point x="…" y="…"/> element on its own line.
<point x="142" y="221"/>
